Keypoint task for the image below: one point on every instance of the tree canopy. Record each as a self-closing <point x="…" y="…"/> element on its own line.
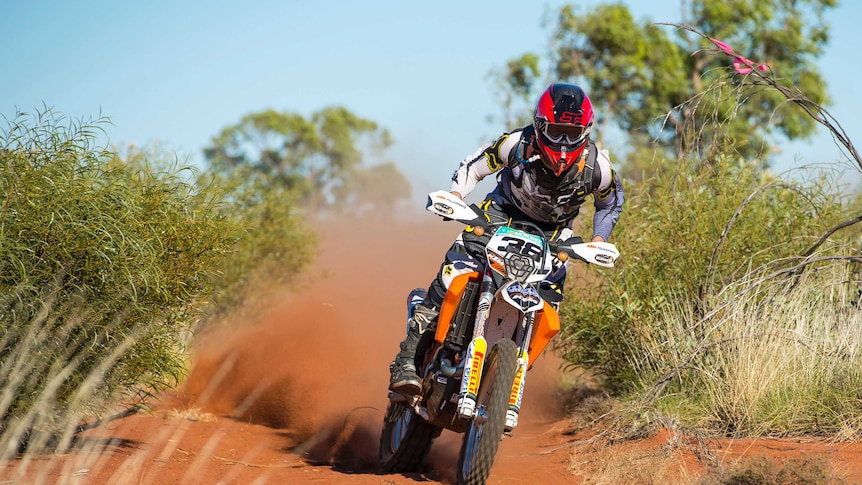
<point x="319" y="158"/>
<point x="648" y="79"/>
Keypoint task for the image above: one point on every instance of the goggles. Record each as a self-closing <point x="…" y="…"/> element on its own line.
<point x="562" y="133"/>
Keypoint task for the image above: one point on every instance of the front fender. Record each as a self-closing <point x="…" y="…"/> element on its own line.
<point x="546" y="324"/>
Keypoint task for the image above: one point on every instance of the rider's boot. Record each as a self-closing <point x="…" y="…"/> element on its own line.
<point x="404" y="379"/>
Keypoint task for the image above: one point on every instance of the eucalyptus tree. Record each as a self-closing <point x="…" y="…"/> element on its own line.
<point x="320" y="159"/>
<point x="651" y="79"/>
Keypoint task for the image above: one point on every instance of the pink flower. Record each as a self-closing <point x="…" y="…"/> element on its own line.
<point x="741" y="64"/>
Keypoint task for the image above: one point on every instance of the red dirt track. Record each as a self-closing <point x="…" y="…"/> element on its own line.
<point x="298" y="396"/>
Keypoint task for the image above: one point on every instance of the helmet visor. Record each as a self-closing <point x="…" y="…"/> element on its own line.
<point x="562" y="133"/>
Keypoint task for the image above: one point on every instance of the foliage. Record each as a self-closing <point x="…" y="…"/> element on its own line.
<point x="107" y="262"/>
<point x="98" y="260"/>
<point x="635" y="73"/>
<point x="762" y="470"/>
<point x="773" y="356"/>
<point x="640" y="76"/>
<point x="319" y="159"/>
<point x="515" y="87"/>
<point x="275" y="248"/>
<point x="737" y="305"/>
<point x="686" y="233"/>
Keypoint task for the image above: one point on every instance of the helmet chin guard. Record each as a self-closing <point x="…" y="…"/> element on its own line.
<point x="563" y="121"/>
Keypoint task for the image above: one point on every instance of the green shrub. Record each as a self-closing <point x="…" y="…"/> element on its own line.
<point x="683" y="236"/>
<point x="107" y="261"/>
<point x="275" y="248"/>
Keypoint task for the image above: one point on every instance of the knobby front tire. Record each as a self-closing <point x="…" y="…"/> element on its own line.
<point x="483" y="435"/>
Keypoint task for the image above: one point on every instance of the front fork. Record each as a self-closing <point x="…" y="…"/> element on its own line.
<point x="517" y="393"/>
<point x="520" y="377"/>
<point x="475" y="360"/>
<point x="476" y="353"/>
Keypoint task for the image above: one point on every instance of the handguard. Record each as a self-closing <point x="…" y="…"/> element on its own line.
<point x="600" y="253"/>
<point x="448" y="206"/>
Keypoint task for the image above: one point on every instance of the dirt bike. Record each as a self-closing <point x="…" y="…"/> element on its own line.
<point x="491" y="328"/>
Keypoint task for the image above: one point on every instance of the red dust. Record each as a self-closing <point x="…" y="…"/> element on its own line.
<point x="298" y="395"/>
<point x="317" y="364"/>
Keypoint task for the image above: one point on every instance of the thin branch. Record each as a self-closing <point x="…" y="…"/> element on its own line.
<point x="828" y="233"/>
<point x="760" y="75"/>
<point x="100" y="422"/>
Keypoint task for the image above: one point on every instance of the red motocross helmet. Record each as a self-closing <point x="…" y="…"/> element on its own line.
<point x="564" y="118"/>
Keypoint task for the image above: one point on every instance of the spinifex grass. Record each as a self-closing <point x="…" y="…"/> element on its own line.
<point x="769" y="358"/>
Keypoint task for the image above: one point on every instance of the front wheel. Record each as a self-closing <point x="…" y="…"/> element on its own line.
<point x="405" y="440"/>
<point x="483" y="434"/>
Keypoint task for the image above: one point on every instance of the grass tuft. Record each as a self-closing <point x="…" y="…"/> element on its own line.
<point x="762" y="470"/>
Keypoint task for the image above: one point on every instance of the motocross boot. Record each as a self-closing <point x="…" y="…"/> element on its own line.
<point x="404" y="379"/>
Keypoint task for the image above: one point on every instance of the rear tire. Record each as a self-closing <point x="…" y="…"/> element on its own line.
<point x="405" y="439"/>
<point x="483" y="434"/>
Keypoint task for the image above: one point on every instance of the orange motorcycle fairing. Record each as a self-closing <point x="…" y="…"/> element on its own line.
<point x="451" y="301"/>
<point x="545" y="325"/>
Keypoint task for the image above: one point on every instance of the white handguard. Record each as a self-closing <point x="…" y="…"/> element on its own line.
<point x="600" y="253"/>
<point x="448" y="206"/>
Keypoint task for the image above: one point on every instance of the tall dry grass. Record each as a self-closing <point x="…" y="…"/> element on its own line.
<point x="770" y="358"/>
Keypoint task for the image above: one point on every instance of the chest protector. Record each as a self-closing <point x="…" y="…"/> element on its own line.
<point x="536" y="192"/>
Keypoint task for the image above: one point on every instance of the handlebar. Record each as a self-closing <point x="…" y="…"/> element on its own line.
<point x="450" y="207"/>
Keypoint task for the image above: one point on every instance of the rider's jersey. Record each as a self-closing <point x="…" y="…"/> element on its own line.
<point x="524" y="183"/>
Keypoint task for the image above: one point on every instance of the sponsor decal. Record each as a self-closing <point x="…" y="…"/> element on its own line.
<point x="443" y="208"/>
<point x="473" y="382"/>
<point x="496" y="263"/>
<point x="571" y="117"/>
<point x="476" y="366"/>
<point x="603" y="258"/>
<point x="473" y="364"/>
<point x="465" y="379"/>
<point x="514" y="398"/>
<point x="524" y="296"/>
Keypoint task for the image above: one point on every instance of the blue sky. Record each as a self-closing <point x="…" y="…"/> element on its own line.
<point x="176" y="73"/>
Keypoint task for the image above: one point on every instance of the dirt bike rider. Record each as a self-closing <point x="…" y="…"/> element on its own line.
<point x="545" y="172"/>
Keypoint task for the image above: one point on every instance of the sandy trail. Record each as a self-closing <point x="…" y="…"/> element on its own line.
<point x="297" y="396"/>
<point x="316" y="365"/>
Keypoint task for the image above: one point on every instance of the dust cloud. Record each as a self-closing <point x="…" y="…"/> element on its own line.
<point x="316" y="365"/>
